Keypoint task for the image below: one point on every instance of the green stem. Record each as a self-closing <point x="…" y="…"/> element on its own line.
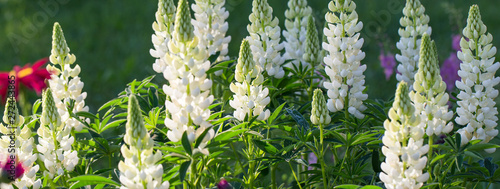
<point x="431" y="141"/>
<point x="193" y="173"/>
<point x="321" y="156"/>
<point x="294" y="175"/>
<point x="273" y="176"/>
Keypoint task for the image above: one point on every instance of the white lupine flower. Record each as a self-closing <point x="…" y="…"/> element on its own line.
<point x="139" y="168"/>
<point x="295" y="34"/>
<point x="250" y="97"/>
<point x="476" y="106"/>
<point x="343" y="62"/>
<point x="64" y="82"/>
<point x="189" y="87"/>
<point x="429" y="93"/>
<point x="403" y="145"/>
<point x="163" y="27"/>
<point x="265" y="39"/>
<point x="55" y="140"/>
<point x="319" y="112"/>
<point x="415" y="24"/>
<point x="210" y="26"/>
<point x="23" y="147"/>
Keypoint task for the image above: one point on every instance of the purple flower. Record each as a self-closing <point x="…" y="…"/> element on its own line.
<point x="312" y="160"/>
<point x="223" y="184"/>
<point x="387" y="62"/>
<point x="455" y="42"/>
<point x="449" y="71"/>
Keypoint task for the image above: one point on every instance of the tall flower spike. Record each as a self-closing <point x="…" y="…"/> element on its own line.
<point x="295" y="34"/>
<point x="343" y="62"/>
<point x="55" y="140"/>
<point x="139" y="168"/>
<point x="189" y="88"/>
<point x="476" y="106"/>
<point x="311" y="50"/>
<point x="23" y="147"/>
<point x="319" y="112"/>
<point x="403" y="145"/>
<point x="264" y="39"/>
<point x="250" y="98"/>
<point x="163" y="27"/>
<point x="414" y="24"/>
<point x="64" y="82"/>
<point x="430" y="95"/>
<point x="210" y="26"/>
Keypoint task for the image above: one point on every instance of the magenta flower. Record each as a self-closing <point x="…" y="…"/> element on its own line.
<point x="455" y="42"/>
<point x="449" y="71"/>
<point x="12" y="169"/>
<point x="223" y="184"/>
<point x="387" y="62"/>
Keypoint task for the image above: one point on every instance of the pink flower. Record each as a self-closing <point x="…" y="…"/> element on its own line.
<point x="12" y="169"/>
<point x="455" y="42"/>
<point x="387" y="62"/>
<point x="32" y="77"/>
<point x="449" y="71"/>
<point x="223" y="184"/>
<point x="312" y="160"/>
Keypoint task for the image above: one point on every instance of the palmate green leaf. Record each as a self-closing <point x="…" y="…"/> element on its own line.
<point x="304" y="125"/>
<point x="482" y="146"/>
<point x="86" y="114"/>
<point x="219" y="66"/>
<point x="86" y="180"/>
<point x="110" y="103"/>
<point x="275" y="114"/>
<point x="266" y="147"/>
<point x="114" y="123"/>
<point x="36" y="105"/>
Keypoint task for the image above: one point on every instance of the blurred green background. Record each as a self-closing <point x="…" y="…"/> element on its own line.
<point x="111" y="39"/>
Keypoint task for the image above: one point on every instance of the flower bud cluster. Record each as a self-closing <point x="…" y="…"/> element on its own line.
<point x="296" y="32"/>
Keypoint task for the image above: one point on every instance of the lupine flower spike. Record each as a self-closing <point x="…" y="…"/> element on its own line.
<point x="476" y="106"/>
<point x="139" y="168"/>
<point x="429" y="93"/>
<point x="163" y="27"/>
<point x="210" y="27"/>
<point x="189" y="87"/>
<point x="265" y="39"/>
<point x="64" y="82"/>
<point x="414" y="24"/>
<point x="343" y="62"/>
<point x="55" y="140"/>
<point x="295" y="34"/>
<point x="403" y="145"/>
<point x="250" y="97"/>
<point x="23" y="169"/>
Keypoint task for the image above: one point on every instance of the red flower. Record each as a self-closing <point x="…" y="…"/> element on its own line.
<point x="12" y="169"/>
<point x="32" y="77"/>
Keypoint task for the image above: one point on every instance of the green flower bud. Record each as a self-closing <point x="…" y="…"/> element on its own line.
<point x="312" y="42"/>
<point x="11" y="113"/>
<point x="402" y="102"/>
<point x="319" y="112"/>
<point x="60" y="50"/>
<point x="184" y="30"/>
<point x="165" y="16"/>
<point x="135" y="129"/>
<point x="475" y="26"/>
<point x="50" y="116"/>
<point x="246" y="68"/>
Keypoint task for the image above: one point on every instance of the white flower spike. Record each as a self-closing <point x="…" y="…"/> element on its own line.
<point x="139" y="168"/>
<point x="476" y="106"/>
<point x="403" y="145"/>
<point x="265" y="39"/>
<point x="343" y="62"/>
<point x="295" y="34"/>
<point x="429" y="93"/>
<point x="414" y="24"/>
